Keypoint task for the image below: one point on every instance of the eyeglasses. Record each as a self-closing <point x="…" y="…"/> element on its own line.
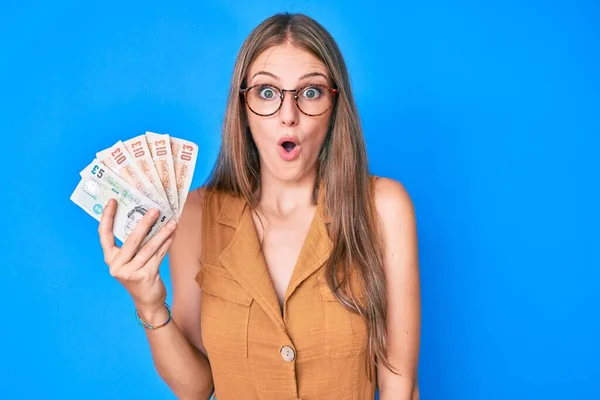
<point x="266" y="100"/>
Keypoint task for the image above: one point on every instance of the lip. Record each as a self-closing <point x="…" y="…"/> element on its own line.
<point x="291" y="155"/>
<point x="292" y="139"/>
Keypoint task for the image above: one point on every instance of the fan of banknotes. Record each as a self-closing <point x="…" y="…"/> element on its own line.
<point x="148" y="171"/>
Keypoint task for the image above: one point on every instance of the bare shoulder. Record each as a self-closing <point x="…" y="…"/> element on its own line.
<point x="194" y="203"/>
<point x="392" y="201"/>
<point x="189" y="226"/>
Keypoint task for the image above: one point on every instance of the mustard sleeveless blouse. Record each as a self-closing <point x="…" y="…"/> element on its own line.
<point x="314" y="350"/>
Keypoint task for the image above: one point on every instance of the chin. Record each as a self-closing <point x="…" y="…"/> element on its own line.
<point x="288" y="175"/>
<point x="294" y="173"/>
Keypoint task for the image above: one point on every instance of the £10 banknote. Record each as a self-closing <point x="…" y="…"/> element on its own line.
<point x="148" y="171"/>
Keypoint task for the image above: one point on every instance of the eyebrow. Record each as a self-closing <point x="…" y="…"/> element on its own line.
<point x="305" y="76"/>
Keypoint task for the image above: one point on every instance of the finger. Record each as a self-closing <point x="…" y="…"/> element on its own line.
<point x="105" y="230"/>
<point x="139" y="233"/>
<point x="149" y="270"/>
<point x="155" y="244"/>
<point x="162" y="250"/>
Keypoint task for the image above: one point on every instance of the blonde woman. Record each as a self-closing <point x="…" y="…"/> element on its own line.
<point x="294" y="270"/>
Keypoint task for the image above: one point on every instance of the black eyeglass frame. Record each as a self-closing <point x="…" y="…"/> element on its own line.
<point x="334" y="92"/>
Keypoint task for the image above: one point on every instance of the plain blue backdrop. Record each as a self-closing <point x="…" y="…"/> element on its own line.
<point x="488" y="112"/>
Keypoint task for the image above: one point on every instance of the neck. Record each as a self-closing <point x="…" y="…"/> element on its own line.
<point x="284" y="197"/>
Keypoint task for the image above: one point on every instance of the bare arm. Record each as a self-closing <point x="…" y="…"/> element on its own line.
<point x="177" y="348"/>
<point x="401" y="266"/>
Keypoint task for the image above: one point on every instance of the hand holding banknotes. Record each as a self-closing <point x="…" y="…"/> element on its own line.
<point x="136" y="189"/>
<point x="136" y="266"/>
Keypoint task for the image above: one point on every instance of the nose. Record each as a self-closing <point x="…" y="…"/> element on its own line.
<point x="289" y="112"/>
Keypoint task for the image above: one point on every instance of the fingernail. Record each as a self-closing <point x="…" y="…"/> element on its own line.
<point x="153" y="212"/>
<point x="171" y="224"/>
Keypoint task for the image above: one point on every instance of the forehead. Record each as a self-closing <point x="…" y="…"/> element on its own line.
<point x="288" y="62"/>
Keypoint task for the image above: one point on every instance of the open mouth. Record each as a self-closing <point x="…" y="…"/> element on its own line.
<point x="288" y="146"/>
<point x="288" y="143"/>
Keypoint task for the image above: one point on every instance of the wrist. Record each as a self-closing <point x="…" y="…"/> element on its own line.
<point x="154" y="314"/>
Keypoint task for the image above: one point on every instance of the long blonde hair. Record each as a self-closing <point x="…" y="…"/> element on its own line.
<point x="342" y="167"/>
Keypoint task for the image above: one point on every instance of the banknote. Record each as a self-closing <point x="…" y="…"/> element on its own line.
<point x="120" y="161"/>
<point x="160" y="149"/>
<point x="185" y="154"/>
<point x="138" y="148"/>
<point x="99" y="184"/>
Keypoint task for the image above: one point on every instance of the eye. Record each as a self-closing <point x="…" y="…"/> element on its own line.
<point x="267" y="92"/>
<point x="312" y="92"/>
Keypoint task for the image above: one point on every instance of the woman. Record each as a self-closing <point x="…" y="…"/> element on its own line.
<point x="294" y="271"/>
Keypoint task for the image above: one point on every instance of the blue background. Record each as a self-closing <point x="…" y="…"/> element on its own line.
<point x="488" y="112"/>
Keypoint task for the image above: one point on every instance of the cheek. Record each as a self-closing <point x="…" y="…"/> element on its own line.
<point x="261" y="128"/>
<point x="317" y="131"/>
